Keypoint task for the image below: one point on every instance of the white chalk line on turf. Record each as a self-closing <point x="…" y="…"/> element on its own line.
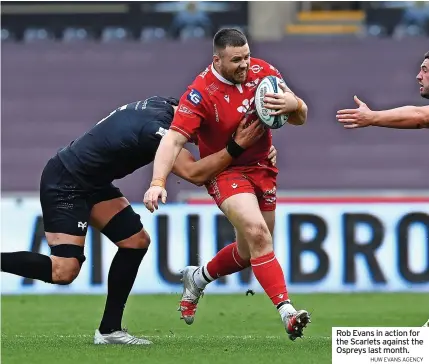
<point x="161" y="337"/>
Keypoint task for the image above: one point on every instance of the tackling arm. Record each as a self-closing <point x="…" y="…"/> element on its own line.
<point x="168" y="150"/>
<point x="406" y="117"/>
<point x="198" y="172"/>
<point x="203" y="170"/>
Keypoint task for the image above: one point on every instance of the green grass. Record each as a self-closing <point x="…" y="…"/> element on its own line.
<point x="230" y="329"/>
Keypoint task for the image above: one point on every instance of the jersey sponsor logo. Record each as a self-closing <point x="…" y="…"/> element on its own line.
<point x="216" y="113"/>
<point x="256" y="68"/>
<point x="270" y="195"/>
<point x="194" y="97"/>
<point x="82" y="225"/>
<point x="145" y="102"/>
<point x="161" y="132"/>
<point x="244" y="107"/>
<point x="212" y="88"/>
<point x="203" y="74"/>
<point x="252" y="84"/>
<point x="185" y="110"/>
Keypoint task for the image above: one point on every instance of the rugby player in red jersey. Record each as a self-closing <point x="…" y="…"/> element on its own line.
<point x="209" y="112"/>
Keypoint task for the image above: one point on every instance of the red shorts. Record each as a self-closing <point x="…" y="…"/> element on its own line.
<point x="260" y="179"/>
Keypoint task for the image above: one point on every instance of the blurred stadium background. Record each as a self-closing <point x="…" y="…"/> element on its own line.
<point x="353" y="205"/>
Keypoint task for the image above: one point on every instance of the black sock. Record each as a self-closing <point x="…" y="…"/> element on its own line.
<point x="122" y="274"/>
<point x="28" y="264"/>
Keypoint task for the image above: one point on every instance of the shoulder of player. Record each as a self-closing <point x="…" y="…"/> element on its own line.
<point x="260" y="62"/>
<point x="262" y="67"/>
<point x="202" y="80"/>
<point x="202" y="86"/>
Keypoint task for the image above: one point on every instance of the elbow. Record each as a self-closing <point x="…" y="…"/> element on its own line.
<point x="300" y="120"/>
<point x="197" y="180"/>
<point x="195" y="177"/>
<point x="424" y="119"/>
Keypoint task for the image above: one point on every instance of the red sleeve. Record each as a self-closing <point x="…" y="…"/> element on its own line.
<point x="267" y="69"/>
<point x="272" y="71"/>
<point x="190" y="113"/>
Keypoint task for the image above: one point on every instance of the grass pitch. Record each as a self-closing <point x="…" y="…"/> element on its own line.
<point x="230" y="329"/>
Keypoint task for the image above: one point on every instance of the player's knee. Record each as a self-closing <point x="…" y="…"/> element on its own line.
<point x="67" y="259"/>
<point x="259" y="238"/>
<point x="64" y="270"/>
<point x="144" y="240"/>
<point x="126" y="230"/>
<point x="141" y="240"/>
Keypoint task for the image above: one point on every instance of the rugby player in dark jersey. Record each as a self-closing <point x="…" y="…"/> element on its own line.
<point x="76" y="190"/>
<point x="405" y="117"/>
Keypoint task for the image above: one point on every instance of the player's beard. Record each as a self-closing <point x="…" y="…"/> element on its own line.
<point x="232" y="75"/>
<point x="235" y="76"/>
<point x="425" y="92"/>
<point x="241" y="75"/>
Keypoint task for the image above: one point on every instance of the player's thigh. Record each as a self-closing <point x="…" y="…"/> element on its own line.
<point x="242" y="210"/>
<point x="64" y="206"/>
<point x="228" y="183"/>
<point x="65" y="218"/>
<point x="117" y="220"/>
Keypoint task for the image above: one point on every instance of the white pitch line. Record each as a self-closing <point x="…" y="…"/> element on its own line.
<point x="187" y="337"/>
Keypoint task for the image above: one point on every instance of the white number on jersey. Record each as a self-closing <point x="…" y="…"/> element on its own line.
<point x="108" y="116"/>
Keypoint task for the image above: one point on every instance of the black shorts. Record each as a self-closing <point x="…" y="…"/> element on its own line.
<point x="66" y="205"/>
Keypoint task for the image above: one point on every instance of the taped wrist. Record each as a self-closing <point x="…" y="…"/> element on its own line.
<point x="298" y="100"/>
<point x="234" y="149"/>
<point x="158" y="182"/>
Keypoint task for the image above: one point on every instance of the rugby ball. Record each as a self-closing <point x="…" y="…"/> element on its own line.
<point x="269" y="84"/>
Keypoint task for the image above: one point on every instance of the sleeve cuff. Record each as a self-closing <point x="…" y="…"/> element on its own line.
<point x="181" y="131"/>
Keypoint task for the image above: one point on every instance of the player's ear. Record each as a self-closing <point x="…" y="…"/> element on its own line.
<point x="216" y="59"/>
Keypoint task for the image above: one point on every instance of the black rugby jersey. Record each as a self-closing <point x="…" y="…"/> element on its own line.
<point x="122" y="142"/>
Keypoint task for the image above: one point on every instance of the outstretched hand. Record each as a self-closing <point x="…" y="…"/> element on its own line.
<point x="356" y="118"/>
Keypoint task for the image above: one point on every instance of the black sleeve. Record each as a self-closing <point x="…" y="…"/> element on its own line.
<point x="151" y="135"/>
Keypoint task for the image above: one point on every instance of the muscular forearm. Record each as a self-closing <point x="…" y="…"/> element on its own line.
<point x="299" y="117"/>
<point x="406" y="117"/>
<point x="205" y="169"/>
<point x="166" y="155"/>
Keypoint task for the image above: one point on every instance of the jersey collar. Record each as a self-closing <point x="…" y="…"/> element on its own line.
<point x="225" y="81"/>
<point x="220" y="77"/>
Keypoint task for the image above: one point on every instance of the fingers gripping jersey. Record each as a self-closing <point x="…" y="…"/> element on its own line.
<point x="212" y="107"/>
<point x="122" y="142"/>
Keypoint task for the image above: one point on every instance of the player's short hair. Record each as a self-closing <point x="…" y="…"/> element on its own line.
<point x="228" y="37"/>
<point x="427" y="55"/>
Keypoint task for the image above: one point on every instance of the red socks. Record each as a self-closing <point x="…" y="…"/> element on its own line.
<point x="226" y="261"/>
<point x="266" y="269"/>
<point x="269" y="273"/>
